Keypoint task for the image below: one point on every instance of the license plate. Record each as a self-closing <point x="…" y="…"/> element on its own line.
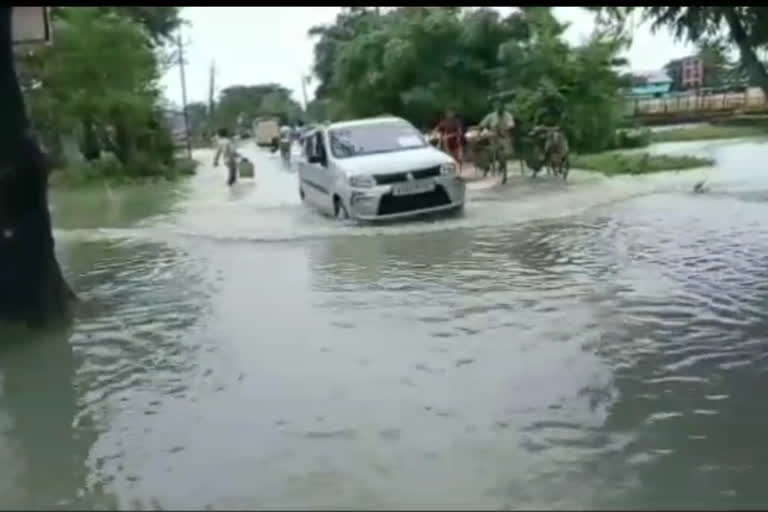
<point x="413" y="187"/>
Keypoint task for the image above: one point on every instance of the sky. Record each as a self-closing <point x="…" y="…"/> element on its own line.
<point x="252" y="45"/>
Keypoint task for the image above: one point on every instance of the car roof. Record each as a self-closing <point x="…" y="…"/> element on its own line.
<point x="366" y="121"/>
<point x="310" y="131"/>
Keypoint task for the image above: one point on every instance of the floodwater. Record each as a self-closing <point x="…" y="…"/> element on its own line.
<point x="601" y="343"/>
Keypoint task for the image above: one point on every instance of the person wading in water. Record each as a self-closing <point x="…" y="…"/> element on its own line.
<point x="225" y="148"/>
<point x="451" y="137"/>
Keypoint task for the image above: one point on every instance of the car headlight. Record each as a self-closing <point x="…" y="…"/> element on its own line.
<point x="449" y="169"/>
<point x="362" y="181"/>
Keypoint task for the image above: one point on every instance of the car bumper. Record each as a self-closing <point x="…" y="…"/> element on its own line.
<point x="377" y="203"/>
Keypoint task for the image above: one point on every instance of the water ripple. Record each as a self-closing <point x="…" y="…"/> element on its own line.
<point x="610" y="355"/>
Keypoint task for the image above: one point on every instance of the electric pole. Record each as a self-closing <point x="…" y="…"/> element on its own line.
<point x="180" y="45"/>
<point x="304" y="80"/>
<point x="211" y="89"/>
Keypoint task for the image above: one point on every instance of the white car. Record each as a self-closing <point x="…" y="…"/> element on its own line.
<point x="376" y="169"/>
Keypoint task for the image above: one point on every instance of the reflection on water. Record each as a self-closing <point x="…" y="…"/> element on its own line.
<point x="104" y="206"/>
<point x="607" y="358"/>
<point x="44" y="437"/>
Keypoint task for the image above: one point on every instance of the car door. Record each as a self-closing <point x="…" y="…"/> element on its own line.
<point x="310" y="175"/>
<point x="305" y="169"/>
<point x="322" y="175"/>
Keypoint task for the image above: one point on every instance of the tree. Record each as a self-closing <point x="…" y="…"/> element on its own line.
<point x="317" y="110"/>
<point x="417" y="61"/>
<point x="100" y="81"/>
<point x="32" y="287"/>
<point x="714" y="61"/>
<point x="350" y="22"/>
<point x="159" y="22"/>
<point x="249" y="102"/>
<point x="746" y="29"/>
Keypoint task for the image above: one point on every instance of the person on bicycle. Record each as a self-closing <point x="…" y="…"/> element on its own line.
<point x="451" y="136"/>
<point x="501" y="125"/>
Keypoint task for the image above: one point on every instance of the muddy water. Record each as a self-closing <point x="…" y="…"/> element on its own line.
<point x="600" y="343"/>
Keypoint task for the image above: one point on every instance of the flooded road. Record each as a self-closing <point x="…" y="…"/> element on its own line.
<point x="601" y="343"/>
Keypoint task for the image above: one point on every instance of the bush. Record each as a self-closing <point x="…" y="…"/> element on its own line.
<point x="632" y="138"/>
<point x="108" y="168"/>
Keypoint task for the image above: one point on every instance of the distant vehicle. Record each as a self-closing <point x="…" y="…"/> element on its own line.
<point x="266" y="132"/>
<point x="376" y="169"/>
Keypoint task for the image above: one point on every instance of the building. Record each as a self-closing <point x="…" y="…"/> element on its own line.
<point x="653" y="84"/>
<point x="692" y="76"/>
<point x="686" y="73"/>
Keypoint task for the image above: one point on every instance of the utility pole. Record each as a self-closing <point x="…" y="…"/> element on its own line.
<point x="211" y="88"/>
<point x="304" y="80"/>
<point x="180" y="45"/>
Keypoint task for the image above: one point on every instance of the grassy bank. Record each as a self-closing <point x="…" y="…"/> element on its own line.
<point x="614" y="163"/>
<point x="108" y="169"/>
<point x="707" y="132"/>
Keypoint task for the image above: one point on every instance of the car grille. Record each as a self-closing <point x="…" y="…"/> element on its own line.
<point x="391" y="204"/>
<point x="397" y="177"/>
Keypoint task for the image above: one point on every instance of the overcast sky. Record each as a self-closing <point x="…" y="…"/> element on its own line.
<point x="253" y="45"/>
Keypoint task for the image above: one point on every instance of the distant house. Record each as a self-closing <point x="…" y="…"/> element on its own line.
<point x="687" y="73"/>
<point x="653" y="84"/>
<point x="693" y="72"/>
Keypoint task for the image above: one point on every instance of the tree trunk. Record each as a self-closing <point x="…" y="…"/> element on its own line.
<point x="755" y="69"/>
<point x="123" y="142"/>
<point x="32" y="288"/>
<point x="90" y="147"/>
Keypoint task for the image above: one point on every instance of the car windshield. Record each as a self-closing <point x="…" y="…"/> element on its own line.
<point x="366" y="139"/>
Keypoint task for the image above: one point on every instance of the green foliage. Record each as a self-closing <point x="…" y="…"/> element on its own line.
<point x="615" y="163"/>
<point x="159" y="22"/>
<point x="633" y="138"/>
<point x="245" y="103"/>
<point x="98" y="82"/>
<point x="350" y="22"/>
<point x="317" y="110"/>
<point x="108" y="168"/>
<point x="99" y="65"/>
<point x="416" y="62"/>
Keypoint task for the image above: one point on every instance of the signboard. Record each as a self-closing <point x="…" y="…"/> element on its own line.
<point x="31" y="26"/>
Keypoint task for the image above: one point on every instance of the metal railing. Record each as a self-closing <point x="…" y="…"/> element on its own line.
<point x="699" y="102"/>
